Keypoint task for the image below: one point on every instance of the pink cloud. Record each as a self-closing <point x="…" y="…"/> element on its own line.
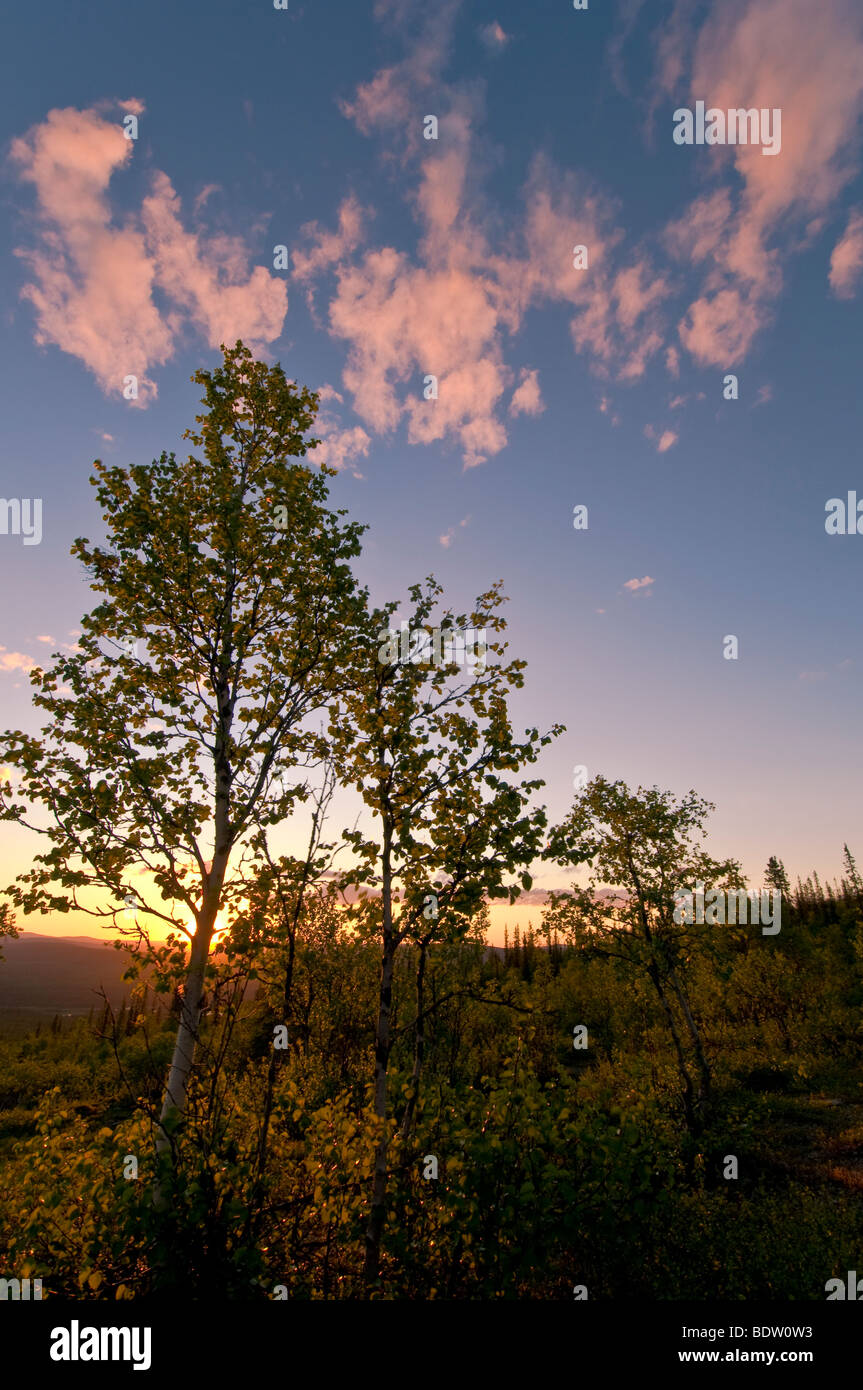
<point x="664" y="441"/>
<point x="446" y="539"/>
<point x="616" y="319"/>
<point x="339" y="447"/>
<point x="403" y="321"/>
<point x="527" y="397"/>
<point x="205" y="194"/>
<point x="211" y="282"/>
<point x="769" y="53"/>
<point x="719" y="328"/>
<point x="766" y="54"/>
<point x="330" y="248"/>
<point x="846" y="262"/>
<point x="388" y="100"/>
<point x="94" y="282"/>
<point x="448" y="309"/>
<point x="15" y="661"/>
<point x="494" y="36"/>
<point x="634" y="584"/>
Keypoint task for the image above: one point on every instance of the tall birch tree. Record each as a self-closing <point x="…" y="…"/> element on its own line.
<point x="186" y="721"/>
<point x="429" y="745"/>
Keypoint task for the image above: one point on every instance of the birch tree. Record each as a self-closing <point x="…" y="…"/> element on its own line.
<point x="642" y="846"/>
<point x="184" y="724"/>
<point x="428" y="744"/>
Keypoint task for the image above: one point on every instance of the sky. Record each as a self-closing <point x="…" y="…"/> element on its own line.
<point x="154" y="159"/>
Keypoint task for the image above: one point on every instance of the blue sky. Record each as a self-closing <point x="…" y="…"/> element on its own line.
<point x="557" y="387"/>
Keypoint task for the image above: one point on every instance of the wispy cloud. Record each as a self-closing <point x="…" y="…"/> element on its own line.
<point x="494" y="36"/>
<point x="765" y="54"/>
<point x="446" y="539"/>
<point x="94" y="283"/>
<point x="846" y="262"/>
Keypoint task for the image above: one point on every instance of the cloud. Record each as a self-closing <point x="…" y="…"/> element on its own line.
<point x="388" y="101"/>
<point x="617" y="307"/>
<point x="95" y="283"/>
<point x="210" y="281"/>
<point x="771" y="54"/>
<point x="527" y="397"/>
<point x="846" y="262"/>
<point x="206" y="193"/>
<point x="765" y="54"/>
<point x="634" y="584"/>
<point x="763" y="395"/>
<point x="403" y="322"/>
<point x="329" y="248"/>
<point x="44" y="639"/>
<point x="494" y="36"/>
<point x="627" y="14"/>
<point x="339" y="447"/>
<point x="673" y="42"/>
<point x="718" y="329"/>
<point x="15" y="661"/>
<point x="447" y="538"/>
<point x="664" y="441"/>
<point x="449" y="308"/>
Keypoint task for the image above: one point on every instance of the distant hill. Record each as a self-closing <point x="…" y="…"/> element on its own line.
<point x="60" y="973"/>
